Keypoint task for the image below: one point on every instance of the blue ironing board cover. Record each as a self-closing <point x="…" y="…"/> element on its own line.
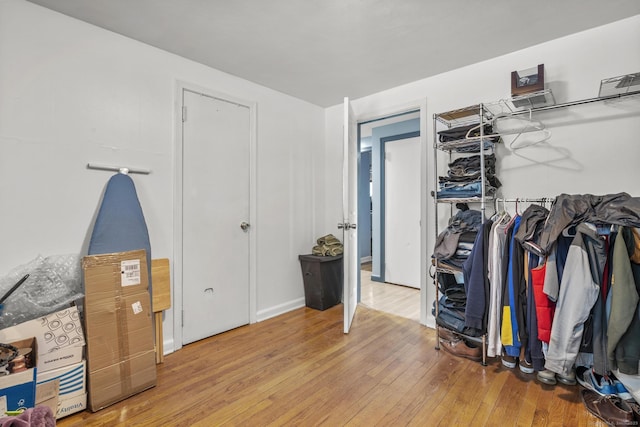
<point x="120" y="224"/>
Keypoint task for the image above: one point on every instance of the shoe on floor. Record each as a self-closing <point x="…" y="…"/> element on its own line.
<point x="635" y="408"/>
<point x="592" y="381"/>
<point x="525" y="366"/>
<point x="610" y="409"/>
<point x="621" y="390"/>
<point x="547" y="377"/>
<point x="569" y="379"/>
<point x="448" y="335"/>
<point x="460" y="348"/>
<point x="509" y="361"/>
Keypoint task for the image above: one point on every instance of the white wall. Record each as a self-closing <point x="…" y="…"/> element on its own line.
<point x="593" y="149"/>
<point x="72" y="93"/>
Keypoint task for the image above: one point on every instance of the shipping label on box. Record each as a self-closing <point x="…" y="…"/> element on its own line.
<point x="119" y="273"/>
<point x="59" y="335"/>
<point x="18" y="388"/>
<point x="130" y="272"/>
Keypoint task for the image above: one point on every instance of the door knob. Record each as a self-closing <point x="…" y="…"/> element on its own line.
<point x="244" y="225"/>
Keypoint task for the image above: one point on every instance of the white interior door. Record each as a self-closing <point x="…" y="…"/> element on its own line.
<point x="215" y="215"/>
<point x="402" y="212"/>
<point x="350" y="216"/>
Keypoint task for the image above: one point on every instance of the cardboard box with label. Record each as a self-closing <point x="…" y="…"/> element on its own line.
<point x="118" y="326"/>
<point x="18" y="384"/>
<point x="59" y="335"/>
<point x="63" y="390"/>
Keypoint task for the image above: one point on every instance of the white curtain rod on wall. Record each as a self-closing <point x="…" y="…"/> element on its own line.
<point x="120" y="169"/>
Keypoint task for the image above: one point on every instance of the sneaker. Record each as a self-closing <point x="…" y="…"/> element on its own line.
<point x="509" y="361"/>
<point x="546" y="377"/>
<point x="621" y="390"/>
<point x="525" y="366"/>
<point x="592" y="381"/>
<point x="569" y="379"/>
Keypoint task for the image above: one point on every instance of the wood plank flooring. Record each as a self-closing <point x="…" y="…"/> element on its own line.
<point x="393" y="299"/>
<point x="300" y="369"/>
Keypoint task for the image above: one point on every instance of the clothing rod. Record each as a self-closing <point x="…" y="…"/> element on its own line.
<point x="579" y="102"/>
<point x="120" y="169"/>
<point x="527" y="200"/>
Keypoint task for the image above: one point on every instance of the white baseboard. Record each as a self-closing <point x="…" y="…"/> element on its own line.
<point x="366" y="259"/>
<point x="431" y="321"/>
<point x="169" y="344"/>
<point x="280" y="309"/>
<point x="168" y="347"/>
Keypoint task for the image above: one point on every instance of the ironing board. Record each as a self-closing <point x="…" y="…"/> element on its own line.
<point x="120" y="224"/>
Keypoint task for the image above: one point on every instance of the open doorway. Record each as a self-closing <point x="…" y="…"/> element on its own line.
<point x="380" y="228"/>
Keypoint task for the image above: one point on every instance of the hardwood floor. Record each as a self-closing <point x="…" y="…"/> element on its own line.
<point x="394" y="299"/>
<point x="301" y="369"/>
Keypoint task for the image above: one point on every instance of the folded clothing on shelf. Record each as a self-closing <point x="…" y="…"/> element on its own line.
<point x="464" y="132"/>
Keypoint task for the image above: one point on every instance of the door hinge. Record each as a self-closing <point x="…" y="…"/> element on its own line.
<point x="182" y="318"/>
<point x="184" y="113"/>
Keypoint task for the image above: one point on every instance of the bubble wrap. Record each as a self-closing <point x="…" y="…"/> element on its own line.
<point x="54" y="283"/>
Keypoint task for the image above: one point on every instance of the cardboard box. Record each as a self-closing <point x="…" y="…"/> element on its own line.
<point x="118" y="325"/>
<point x="47" y="395"/>
<point x="59" y="335"/>
<point x="18" y="390"/>
<point x="72" y="380"/>
<point x="68" y="384"/>
<point x="71" y="405"/>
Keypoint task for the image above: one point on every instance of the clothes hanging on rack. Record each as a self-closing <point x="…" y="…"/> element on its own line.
<point x="533" y="351"/>
<point x="577" y="294"/>
<point x="617" y="209"/>
<point x="513" y="326"/>
<point x="623" y="328"/>
<point x="570" y="311"/>
<point x="495" y="273"/>
<point x="476" y="281"/>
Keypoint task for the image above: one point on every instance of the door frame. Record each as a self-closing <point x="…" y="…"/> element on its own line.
<point x="177" y="303"/>
<point x="379" y="113"/>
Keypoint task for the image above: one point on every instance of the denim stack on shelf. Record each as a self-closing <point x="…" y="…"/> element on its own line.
<point x="453" y="247"/>
<point x="463" y="178"/>
<point x="451" y="305"/>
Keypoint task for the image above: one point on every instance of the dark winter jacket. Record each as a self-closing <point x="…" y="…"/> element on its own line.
<point x="476" y="281"/>
<point x="616" y="209"/>
<point x="623" y="332"/>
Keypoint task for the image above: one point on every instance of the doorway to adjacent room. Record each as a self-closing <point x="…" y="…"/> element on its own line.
<point x="382" y="239"/>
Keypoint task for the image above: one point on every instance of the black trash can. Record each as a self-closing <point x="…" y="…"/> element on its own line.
<point x="322" y="277"/>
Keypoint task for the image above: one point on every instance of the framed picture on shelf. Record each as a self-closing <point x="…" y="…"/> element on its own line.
<point x="527" y="81"/>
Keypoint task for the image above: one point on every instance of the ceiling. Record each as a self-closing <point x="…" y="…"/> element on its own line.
<point x="323" y="50"/>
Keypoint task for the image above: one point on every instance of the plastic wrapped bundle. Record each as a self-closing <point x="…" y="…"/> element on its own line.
<point x="54" y="283"/>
